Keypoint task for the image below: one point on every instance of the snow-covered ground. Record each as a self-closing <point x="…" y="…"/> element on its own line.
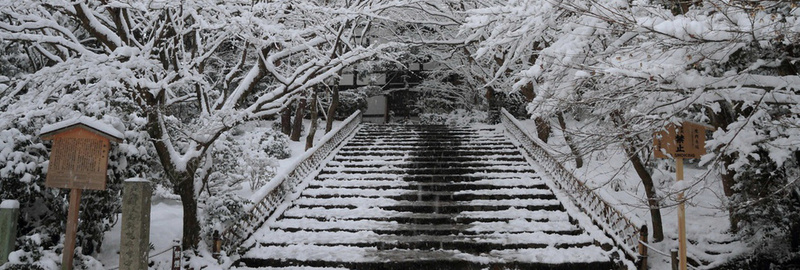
<point x="615" y="180"/>
<point x="166" y="216"/>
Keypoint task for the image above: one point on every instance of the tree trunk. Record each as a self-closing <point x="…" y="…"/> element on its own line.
<point x="191" y="225"/>
<point x="650" y="191"/>
<point x="297" y="125"/>
<point x="542" y="128"/>
<point x="722" y="119"/>
<point x="286" y="120"/>
<point x="572" y="147"/>
<point x="183" y="181"/>
<point x="794" y="232"/>
<point x="542" y="125"/>
<point x="794" y="227"/>
<point x="644" y="175"/>
<point x="727" y="188"/>
<point x="313" y="130"/>
<point x="494" y="106"/>
<point x="332" y="109"/>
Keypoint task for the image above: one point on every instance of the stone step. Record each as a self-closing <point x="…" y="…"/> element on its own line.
<point x="450" y="243"/>
<point x="294" y="264"/>
<point x="443" y="196"/>
<point x="388" y="202"/>
<point x="424" y="164"/>
<point x="411" y="195"/>
<point x="412" y="159"/>
<point x="443" y="153"/>
<point x="410" y="134"/>
<point x="430" y="147"/>
<point x="389" y="139"/>
<point x="442" y="207"/>
<point x="416" y="133"/>
<point x="427" y="186"/>
<point x="427" y="170"/>
<point x="377" y="192"/>
<point x="501" y="179"/>
<point x="500" y="140"/>
<point x="465" y="217"/>
<point x="421" y="195"/>
<point x="369" y="238"/>
<point x="353" y="257"/>
<point x="397" y="228"/>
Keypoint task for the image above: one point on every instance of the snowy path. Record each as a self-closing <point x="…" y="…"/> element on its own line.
<point x="401" y="197"/>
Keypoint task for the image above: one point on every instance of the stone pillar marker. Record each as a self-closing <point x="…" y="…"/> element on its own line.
<point x="135" y="238"/>
<point x="9" y="212"/>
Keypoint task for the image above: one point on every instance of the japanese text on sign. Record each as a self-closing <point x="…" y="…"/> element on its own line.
<point x="685" y="141"/>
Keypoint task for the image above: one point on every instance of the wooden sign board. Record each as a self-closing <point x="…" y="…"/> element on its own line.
<point x="685" y="141"/>
<point x="79" y="159"/>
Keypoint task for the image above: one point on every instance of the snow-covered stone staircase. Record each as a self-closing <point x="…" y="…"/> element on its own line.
<point x="425" y="197"/>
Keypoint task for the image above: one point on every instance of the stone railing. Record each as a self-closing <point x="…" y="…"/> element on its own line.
<point x="625" y="233"/>
<point x="274" y="193"/>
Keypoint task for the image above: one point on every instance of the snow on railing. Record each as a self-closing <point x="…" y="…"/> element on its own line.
<point x="623" y="231"/>
<point x="271" y="195"/>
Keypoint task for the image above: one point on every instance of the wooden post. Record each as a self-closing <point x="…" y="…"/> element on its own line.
<point x="643" y="248"/>
<point x="674" y="256"/>
<point x="216" y="249"/>
<point x="72" y="229"/>
<point x="681" y="216"/>
<point x="176" y="255"/>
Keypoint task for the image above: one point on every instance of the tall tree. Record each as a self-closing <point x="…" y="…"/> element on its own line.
<point x="189" y="71"/>
<point x="625" y="69"/>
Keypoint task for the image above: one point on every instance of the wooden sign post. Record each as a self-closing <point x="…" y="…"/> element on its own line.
<point x="78" y="161"/>
<point x="685" y="141"/>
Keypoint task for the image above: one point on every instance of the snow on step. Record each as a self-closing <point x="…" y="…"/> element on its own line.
<point x="308" y="252"/>
<point x="368" y="237"/>
<point x="517" y="225"/>
<point x="399" y="163"/>
<point x="382" y="202"/>
<point x="315" y="192"/>
<point x="399" y="197"/>
<point x="378" y="213"/>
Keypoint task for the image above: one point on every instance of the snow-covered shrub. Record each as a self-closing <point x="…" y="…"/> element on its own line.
<point x="514" y="102"/>
<point x="459" y="117"/>
<point x="34" y="254"/>
<point x="350" y="102"/>
<point x="765" y="197"/>
<point x="246" y="154"/>
<point x="275" y="144"/>
<point x="220" y="212"/>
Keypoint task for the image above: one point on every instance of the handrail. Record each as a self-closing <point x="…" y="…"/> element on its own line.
<point x="271" y="195"/>
<point x="624" y="232"/>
